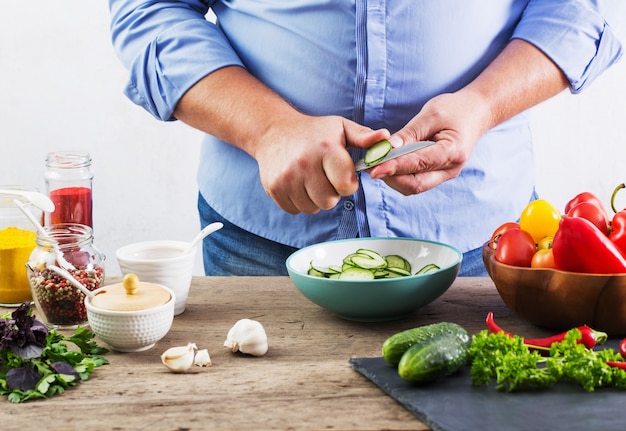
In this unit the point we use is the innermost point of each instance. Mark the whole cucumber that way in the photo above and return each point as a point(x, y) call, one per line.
point(395, 346)
point(433, 359)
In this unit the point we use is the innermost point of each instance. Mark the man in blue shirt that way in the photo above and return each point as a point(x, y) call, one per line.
point(290, 93)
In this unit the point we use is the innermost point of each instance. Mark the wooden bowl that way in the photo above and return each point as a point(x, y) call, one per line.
point(561, 300)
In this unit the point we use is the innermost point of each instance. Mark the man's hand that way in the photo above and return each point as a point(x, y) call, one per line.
point(304, 165)
point(449, 119)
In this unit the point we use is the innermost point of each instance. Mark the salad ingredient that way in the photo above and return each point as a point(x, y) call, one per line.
point(35, 362)
point(396, 345)
point(540, 219)
point(617, 364)
point(179, 359)
point(586, 197)
point(579, 246)
point(495, 237)
point(377, 152)
point(618, 231)
point(434, 358)
point(516, 247)
point(202, 358)
point(589, 337)
point(366, 264)
point(543, 258)
point(247, 336)
point(591, 212)
point(618, 223)
point(514, 366)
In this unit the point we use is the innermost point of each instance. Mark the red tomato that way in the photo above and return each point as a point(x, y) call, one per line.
point(516, 247)
point(591, 212)
point(499, 231)
point(543, 258)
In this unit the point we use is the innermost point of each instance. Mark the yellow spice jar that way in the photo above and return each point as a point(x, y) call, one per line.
point(17, 241)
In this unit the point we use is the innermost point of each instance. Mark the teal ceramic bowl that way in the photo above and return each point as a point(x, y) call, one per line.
point(378, 299)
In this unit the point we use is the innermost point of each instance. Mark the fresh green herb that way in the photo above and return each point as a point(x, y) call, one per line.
point(513, 366)
point(35, 362)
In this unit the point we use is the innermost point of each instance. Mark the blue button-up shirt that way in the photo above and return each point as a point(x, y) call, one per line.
point(376, 62)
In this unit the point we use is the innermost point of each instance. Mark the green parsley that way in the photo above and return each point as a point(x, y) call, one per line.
point(35, 362)
point(513, 366)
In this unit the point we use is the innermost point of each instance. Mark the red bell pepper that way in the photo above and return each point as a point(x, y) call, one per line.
point(618, 224)
point(593, 213)
point(587, 197)
point(579, 246)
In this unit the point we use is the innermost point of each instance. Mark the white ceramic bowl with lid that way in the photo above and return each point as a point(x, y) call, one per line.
point(131, 320)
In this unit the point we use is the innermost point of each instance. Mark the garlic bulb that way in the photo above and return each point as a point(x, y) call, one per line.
point(247, 336)
point(179, 359)
point(202, 358)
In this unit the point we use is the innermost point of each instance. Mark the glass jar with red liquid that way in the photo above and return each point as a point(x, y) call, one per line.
point(69, 181)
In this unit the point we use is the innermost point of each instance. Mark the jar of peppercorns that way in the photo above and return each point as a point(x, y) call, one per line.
point(67, 246)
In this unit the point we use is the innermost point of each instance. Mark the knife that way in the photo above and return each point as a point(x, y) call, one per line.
point(395, 153)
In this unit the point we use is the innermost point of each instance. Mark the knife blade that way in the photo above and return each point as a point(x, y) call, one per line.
point(395, 153)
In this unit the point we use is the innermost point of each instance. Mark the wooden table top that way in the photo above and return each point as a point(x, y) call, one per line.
point(304, 381)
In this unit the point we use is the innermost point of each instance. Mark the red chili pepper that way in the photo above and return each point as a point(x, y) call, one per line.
point(617, 364)
point(590, 337)
point(622, 352)
point(618, 224)
point(579, 246)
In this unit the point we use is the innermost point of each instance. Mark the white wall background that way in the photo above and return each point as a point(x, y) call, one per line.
point(61, 88)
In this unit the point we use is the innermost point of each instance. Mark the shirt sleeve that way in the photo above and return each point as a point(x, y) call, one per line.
point(168, 46)
point(575, 34)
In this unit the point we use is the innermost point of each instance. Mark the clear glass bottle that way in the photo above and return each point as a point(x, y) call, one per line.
point(68, 246)
point(17, 241)
point(69, 181)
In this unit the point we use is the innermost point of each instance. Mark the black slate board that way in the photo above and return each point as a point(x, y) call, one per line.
point(453, 404)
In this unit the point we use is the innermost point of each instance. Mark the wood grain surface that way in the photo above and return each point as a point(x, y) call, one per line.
point(304, 382)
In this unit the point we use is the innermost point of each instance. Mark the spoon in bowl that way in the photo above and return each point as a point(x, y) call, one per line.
point(208, 230)
point(40, 200)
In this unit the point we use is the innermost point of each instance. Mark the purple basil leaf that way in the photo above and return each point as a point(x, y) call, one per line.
point(23, 378)
point(64, 368)
point(29, 351)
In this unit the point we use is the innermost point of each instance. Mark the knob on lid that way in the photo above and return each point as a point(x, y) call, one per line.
point(131, 295)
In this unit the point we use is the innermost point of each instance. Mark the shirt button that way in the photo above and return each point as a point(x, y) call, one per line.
point(348, 205)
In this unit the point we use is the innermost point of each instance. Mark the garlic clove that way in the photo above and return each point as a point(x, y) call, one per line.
point(179, 359)
point(247, 336)
point(202, 358)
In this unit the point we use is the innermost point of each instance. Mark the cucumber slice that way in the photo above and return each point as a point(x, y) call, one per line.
point(368, 259)
point(364, 261)
point(377, 152)
point(395, 261)
point(365, 264)
point(356, 274)
point(431, 267)
point(399, 271)
point(315, 273)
